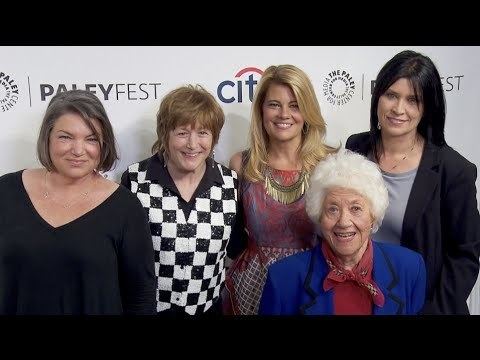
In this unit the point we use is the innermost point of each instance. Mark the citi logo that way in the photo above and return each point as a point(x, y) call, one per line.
point(229, 91)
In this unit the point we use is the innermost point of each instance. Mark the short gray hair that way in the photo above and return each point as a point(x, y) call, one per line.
point(88, 106)
point(348, 170)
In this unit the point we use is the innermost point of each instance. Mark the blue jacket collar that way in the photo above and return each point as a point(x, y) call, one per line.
point(321, 302)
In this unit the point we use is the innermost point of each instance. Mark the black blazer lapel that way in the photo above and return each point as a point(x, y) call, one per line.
point(359, 143)
point(423, 187)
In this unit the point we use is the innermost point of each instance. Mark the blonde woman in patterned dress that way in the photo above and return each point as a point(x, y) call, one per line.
point(287, 134)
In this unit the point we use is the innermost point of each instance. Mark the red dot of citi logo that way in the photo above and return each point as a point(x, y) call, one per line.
point(229, 91)
point(8, 92)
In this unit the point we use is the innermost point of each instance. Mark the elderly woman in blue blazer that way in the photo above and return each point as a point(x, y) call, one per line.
point(346, 273)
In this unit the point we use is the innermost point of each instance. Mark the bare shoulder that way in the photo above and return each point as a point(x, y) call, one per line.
point(236, 162)
point(33, 178)
point(33, 174)
point(106, 187)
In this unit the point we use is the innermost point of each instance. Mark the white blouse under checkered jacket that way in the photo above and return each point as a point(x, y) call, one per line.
point(189, 253)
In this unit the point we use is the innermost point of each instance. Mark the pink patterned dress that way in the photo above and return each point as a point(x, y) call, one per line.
point(275, 230)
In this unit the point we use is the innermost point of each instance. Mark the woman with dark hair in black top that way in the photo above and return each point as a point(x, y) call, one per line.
point(433, 206)
point(71, 241)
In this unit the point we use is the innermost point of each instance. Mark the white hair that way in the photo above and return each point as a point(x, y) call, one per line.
point(352, 171)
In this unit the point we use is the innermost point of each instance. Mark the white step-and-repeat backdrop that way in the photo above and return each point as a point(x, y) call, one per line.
point(131, 81)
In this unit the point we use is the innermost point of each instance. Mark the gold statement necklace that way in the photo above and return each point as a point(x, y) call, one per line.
point(286, 194)
point(66, 205)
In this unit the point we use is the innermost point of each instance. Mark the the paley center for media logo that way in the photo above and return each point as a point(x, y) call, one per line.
point(242, 88)
point(338, 87)
point(8, 92)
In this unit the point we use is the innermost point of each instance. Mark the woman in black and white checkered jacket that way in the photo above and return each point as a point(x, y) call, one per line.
point(190, 200)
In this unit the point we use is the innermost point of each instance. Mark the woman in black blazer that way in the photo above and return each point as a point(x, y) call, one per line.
point(433, 206)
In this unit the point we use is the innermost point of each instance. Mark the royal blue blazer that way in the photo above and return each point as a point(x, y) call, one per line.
point(442, 223)
point(295, 284)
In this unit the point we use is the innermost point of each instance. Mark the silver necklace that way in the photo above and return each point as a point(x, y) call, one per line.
point(405, 155)
point(83, 194)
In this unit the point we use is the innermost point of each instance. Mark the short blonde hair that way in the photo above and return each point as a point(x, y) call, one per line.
point(190, 104)
point(348, 170)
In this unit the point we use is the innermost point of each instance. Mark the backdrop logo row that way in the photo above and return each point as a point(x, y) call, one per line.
point(338, 87)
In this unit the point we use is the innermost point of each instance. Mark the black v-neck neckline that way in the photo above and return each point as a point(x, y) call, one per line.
point(69, 223)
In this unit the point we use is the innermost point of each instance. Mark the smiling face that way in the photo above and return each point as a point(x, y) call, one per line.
point(281, 115)
point(346, 224)
point(188, 148)
point(74, 148)
point(398, 111)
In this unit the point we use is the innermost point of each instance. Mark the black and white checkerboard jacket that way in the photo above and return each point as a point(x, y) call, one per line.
point(189, 253)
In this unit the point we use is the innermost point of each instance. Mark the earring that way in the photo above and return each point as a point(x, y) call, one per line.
point(379, 127)
point(213, 158)
point(305, 129)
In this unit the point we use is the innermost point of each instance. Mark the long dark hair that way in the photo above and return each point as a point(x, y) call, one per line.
point(425, 79)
